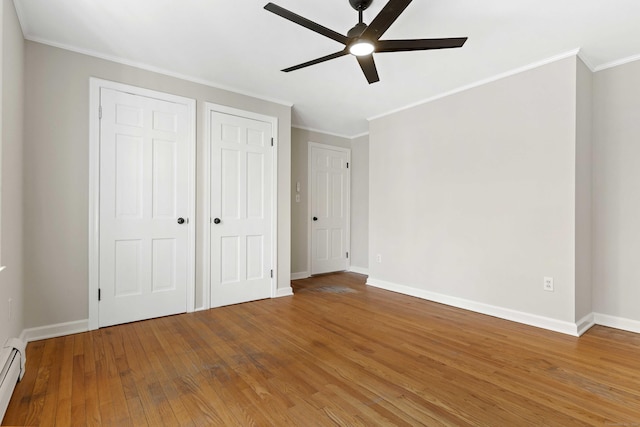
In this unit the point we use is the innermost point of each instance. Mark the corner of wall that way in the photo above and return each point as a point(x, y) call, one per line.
point(583, 190)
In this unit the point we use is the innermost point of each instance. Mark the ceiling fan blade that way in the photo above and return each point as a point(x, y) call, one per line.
point(385, 18)
point(418, 44)
point(286, 14)
point(368, 68)
point(317, 61)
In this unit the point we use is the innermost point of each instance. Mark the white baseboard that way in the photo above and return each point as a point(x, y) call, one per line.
point(284, 292)
point(359, 270)
point(617, 322)
point(574, 329)
point(300, 275)
point(478, 307)
point(305, 274)
point(584, 324)
point(52, 331)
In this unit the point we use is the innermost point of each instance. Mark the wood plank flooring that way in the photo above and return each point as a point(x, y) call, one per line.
point(336, 353)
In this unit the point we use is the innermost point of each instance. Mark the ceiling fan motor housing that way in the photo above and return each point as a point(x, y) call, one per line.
point(357, 30)
point(360, 4)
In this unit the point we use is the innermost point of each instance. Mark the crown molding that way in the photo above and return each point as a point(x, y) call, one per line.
point(483, 82)
point(617, 63)
point(151, 68)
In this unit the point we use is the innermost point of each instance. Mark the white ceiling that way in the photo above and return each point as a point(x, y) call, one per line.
point(240, 46)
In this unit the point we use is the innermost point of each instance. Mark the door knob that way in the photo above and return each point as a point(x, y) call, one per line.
point(315, 218)
point(216, 221)
point(180, 220)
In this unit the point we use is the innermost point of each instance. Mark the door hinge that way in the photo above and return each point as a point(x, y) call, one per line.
point(100, 112)
point(272, 274)
point(347, 165)
point(272, 142)
point(99, 295)
point(347, 254)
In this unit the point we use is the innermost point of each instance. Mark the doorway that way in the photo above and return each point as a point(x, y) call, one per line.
point(329, 208)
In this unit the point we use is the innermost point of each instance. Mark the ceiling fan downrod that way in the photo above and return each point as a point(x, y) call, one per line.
point(360, 6)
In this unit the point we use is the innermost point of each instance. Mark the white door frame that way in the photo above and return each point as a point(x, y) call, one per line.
point(95, 85)
point(206, 205)
point(310, 201)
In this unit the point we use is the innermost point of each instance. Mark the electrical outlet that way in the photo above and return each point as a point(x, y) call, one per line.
point(548, 284)
point(379, 258)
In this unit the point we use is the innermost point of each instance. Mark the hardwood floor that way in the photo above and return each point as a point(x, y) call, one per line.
point(336, 353)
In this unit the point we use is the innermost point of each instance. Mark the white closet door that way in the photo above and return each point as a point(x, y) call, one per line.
point(241, 209)
point(144, 167)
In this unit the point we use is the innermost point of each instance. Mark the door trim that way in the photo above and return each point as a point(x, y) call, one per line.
point(310, 200)
point(95, 85)
point(210, 107)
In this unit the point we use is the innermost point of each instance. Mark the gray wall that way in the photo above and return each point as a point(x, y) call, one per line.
point(583, 247)
point(473, 195)
point(359, 195)
point(360, 203)
point(56, 189)
point(616, 191)
point(11, 279)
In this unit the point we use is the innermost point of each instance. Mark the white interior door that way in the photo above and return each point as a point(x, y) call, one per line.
point(329, 208)
point(241, 209)
point(144, 198)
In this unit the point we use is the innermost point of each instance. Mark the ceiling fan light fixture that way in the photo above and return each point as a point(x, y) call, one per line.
point(361, 48)
point(362, 40)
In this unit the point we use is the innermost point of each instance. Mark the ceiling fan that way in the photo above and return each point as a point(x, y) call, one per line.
point(363, 40)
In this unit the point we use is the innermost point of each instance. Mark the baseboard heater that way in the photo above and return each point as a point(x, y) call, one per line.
point(12, 361)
